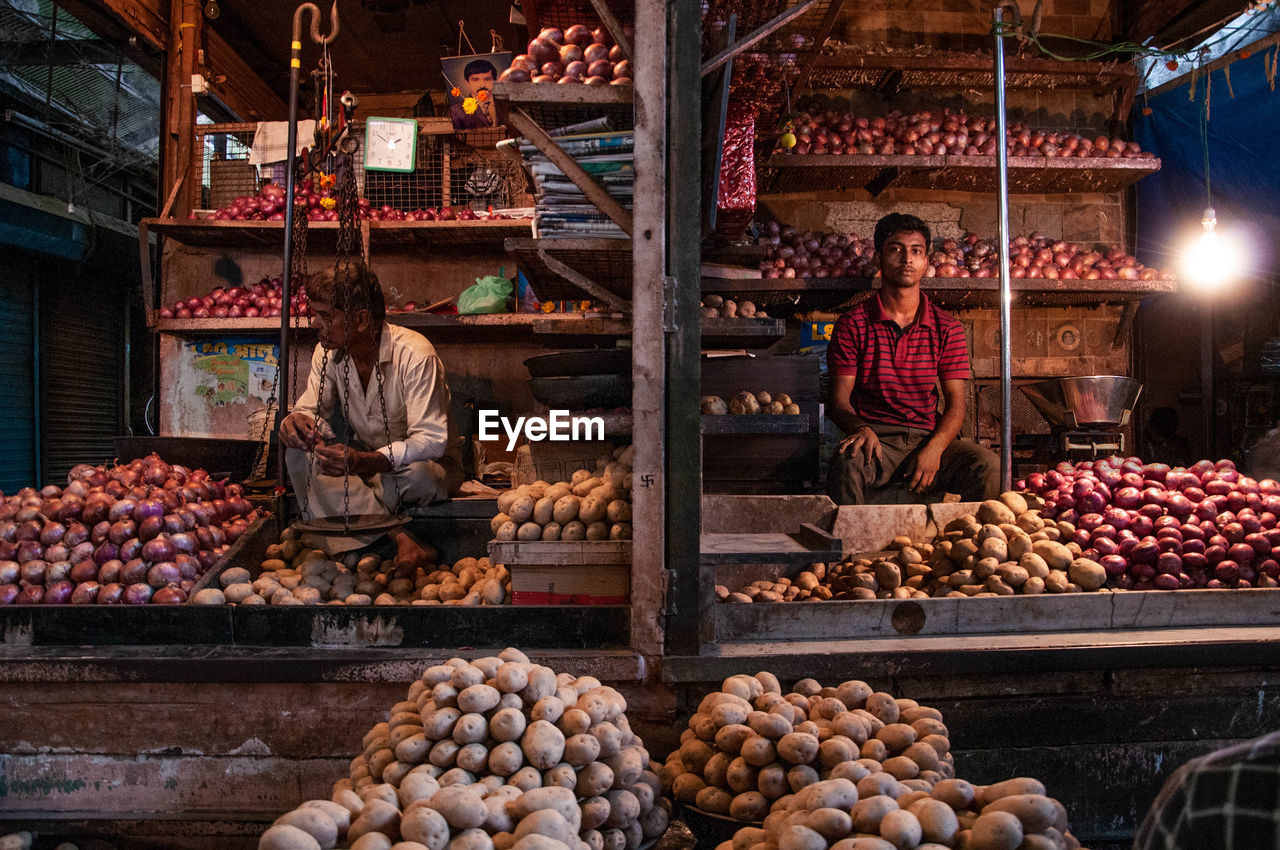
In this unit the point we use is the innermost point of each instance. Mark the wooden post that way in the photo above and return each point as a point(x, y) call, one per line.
point(180, 155)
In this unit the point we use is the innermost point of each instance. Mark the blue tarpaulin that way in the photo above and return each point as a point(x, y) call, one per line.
point(1244, 165)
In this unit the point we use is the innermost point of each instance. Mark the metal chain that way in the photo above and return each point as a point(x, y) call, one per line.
point(324, 373)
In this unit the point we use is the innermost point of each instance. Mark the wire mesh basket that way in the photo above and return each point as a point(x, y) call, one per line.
point(451, 169)
point(566, 13)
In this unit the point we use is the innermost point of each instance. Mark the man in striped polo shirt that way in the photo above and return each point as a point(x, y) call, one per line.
point(886, 359)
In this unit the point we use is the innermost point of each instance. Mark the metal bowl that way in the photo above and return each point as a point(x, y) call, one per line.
point(582, 392)
point(1085, 401)
point(597, 361)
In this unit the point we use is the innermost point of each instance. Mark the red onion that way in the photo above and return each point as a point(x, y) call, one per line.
point(150, 527)
point(133, 571)
point(100, 532)
point(9, 593)
point(185, 542)
point(147, 508)
point(29, 550)
point(85, 593)
point(169, 596)
point(163, 574)
point(138, 594)
point(110, 571)
point(121, 531)
point(32, 572)
point(158, 549)
point(130, 549)
point(58, 593)
point(32, 594)
point(111, 594)
point(105, 552)
point(173, 523)
point(10, 571)
point(86, 571)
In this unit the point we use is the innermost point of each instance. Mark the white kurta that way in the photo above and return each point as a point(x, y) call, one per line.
point(422, 450)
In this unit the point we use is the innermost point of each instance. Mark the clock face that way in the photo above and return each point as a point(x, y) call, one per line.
point(390, 144)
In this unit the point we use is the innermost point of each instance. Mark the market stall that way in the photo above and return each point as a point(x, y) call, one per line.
point(1108, 616)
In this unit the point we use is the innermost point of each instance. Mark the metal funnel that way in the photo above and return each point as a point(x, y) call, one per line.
point(1085, 401)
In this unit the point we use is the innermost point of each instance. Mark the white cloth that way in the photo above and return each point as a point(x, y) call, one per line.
point(416, 394)
point(271, 140)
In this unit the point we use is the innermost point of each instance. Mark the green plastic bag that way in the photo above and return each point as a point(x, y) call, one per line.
point(489, 295)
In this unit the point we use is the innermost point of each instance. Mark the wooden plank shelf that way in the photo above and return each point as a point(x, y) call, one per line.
point(552, 105)
point(849, 69)
point(208, 233)
point(447, 234)
point(606, 262)
point(1034, 175)
point(555, 324)
point(802, 547)
point(568, 552)
point(949, 292)
point(757, 424)
point(1105, 611)
point(742, 333)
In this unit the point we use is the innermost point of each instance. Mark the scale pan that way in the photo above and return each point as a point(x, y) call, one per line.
point(355, 524)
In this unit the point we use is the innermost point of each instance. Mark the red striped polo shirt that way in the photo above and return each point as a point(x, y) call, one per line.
point(897, 369)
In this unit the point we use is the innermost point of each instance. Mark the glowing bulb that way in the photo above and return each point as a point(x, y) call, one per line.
point(1210, 261)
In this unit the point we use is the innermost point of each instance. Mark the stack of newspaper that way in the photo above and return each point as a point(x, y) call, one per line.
point(562, 209)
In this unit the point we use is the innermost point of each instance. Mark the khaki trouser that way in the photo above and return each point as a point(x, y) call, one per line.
point(420, 483)
point(967, 468)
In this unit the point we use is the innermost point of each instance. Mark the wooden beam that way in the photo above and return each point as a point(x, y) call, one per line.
point(186, 25)
point(610, 22)
point(146, 19)
point(237, 85)
point(763, 32)
point(595, 193)
point(819, 39)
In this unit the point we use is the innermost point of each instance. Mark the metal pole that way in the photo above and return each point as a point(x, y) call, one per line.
point(1006, 293)
point(286, 279)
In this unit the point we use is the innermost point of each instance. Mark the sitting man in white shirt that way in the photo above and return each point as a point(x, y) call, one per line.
point(370, 363)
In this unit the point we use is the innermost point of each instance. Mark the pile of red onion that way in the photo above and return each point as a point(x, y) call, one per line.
point(1153, 527)
point(578, 54)
point(792, 253)
point(261, 299)
point(139, 533)
point(942, 133)
point(268, 205)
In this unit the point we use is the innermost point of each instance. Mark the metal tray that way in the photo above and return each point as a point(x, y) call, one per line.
point(598, 361)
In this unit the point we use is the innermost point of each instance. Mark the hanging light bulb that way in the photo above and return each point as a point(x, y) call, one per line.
point(1211, 261)
point(211, 10)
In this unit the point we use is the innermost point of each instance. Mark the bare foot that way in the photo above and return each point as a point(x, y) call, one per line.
point(412, 554)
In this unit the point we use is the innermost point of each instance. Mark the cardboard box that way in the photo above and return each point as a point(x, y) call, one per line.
point(570, 584)
point(552, 462)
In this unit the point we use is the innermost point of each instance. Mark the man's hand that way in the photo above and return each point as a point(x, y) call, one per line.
point(927, 462)
point(340, 459)
point(298, 431)
point(862, 442)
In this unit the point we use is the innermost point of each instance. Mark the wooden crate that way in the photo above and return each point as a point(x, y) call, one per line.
point(566, 572)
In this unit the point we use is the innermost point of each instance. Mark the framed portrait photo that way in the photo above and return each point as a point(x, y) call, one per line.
point(470, 82)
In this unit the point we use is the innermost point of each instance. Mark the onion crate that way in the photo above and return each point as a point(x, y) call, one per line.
point(564, 572)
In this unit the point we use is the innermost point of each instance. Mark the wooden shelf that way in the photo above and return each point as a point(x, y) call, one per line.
point(782, 173)
point(888, 72)
point(805, 546)
point(239, 234)
point(537, 323)
point(607, 262)
point(742, 333)
point(758, 423)
point(447, 234)
point(552, 105)
point(948, 292)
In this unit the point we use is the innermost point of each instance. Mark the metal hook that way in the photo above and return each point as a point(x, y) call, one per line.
point(315, 23)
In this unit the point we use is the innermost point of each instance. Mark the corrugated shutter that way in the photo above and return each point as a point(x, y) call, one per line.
point(17, 362)
point(82, 332)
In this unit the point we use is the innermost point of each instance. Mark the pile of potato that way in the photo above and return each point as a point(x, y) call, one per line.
point(490, 754)
point(867, 810)
point(716, 307)
point(590, 506)
point(750, 746)
point(1007, 548)
point(292, 574)
point(745, 403)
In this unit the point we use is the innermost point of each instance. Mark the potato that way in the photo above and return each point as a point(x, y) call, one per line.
point(797, 748)
point(618, 510)
point(996, 831)
point(378, 816)
point(506, 531)
point(828, 794)
point(470, 839)
point(1010, 787)
point(529, 532)
point(901, 829)
point(863, 842)
point(573, 530)
point(470, 729)
point(461, 806)
point(995, 513)
point(507, 724)
point(1090, 575)
point(897, 736)
point(1035, 811)
point(426, 826)
point(378, 841)
point(867, 813)
point(749, 806)
point(597, 778)
point(543, 511)
point(1055, 555)
point(547, 823)
point(714, 800)
point(580, 750)
point(713, 405)
point(287, 837)
point(831, 824)
point(551, 531)
point(883, 707)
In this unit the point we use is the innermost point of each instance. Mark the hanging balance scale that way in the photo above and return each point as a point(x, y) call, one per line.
point(335, 145)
